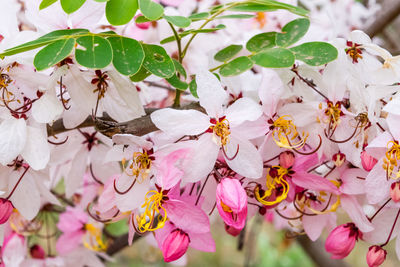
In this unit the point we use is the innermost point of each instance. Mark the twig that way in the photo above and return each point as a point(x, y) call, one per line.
point(390, 10)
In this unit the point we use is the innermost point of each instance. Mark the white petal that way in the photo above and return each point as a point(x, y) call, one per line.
point(129, 139)
point(270, 91)
point(134, 197)
point(73, 116)
point(247, 162)
point(47, 109)
point(12, 139)
point(75, 176)
point(39, 179)
point(26, 197)
point(244, 109)
point(376, 185)
point(359, 37)
point(36, 151)
point(180, 122)
point(211, 94)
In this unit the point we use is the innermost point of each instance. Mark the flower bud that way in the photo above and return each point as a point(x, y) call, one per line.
point(367, 161)
point(6, 208)
point(37, 252)
point(286, 159)
point(395, 191)
point(175, 245)
point(341, 240)
point(339, 158)
point(375, 256)
point(232, 230)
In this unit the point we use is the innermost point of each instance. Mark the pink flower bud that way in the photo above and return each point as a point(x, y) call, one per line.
point(232, 230)
point(339, 158)
point(232, 202)
point(367, 161)
point(375, 256)
point(175, 245)
point(6, 208)
point(143, 25)
point(395, 191)
point(286, 159)
point(341, 240)
point(37, 252)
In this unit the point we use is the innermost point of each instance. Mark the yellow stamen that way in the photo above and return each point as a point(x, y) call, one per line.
point(261, 19)
point(332, 113)
point(226, 208)
point(140, 166)
point(272, 183)
point(392, 155)
point(93, 238)
point(221, 132)
point(285, 132)
point(153, 206)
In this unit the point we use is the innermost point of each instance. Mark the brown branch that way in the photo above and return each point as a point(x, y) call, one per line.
point(389, 11)
point(318, 254)
point(109, 127)
point(120, 243)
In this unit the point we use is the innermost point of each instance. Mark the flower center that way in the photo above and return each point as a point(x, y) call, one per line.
point(354, 51)
point(148, 221)
point(140, 165)
point(392, 155)
point(101, 83)
point(332, 113)
point(93, 238)
point(220, 130)
point(285, 132)
point(275, 182)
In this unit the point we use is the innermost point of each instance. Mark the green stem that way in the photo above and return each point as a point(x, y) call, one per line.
point(177, 100)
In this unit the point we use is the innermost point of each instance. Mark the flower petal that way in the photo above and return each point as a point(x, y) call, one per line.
point(244, 109)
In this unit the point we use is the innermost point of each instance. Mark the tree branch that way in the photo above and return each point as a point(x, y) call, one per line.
point(389, 11)
point(109, 127)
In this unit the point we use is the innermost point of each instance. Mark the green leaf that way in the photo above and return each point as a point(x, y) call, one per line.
point(236, 16)
point(120, 12)
point(251, 7)
point(141, 19)
point(177, 83)
point(142, 74)
point(46, 3)
point(128, 54)
point(179, 68)
point(236, 66)
point(44, 40)
point(70, 6)
point(179, 21)
point(193, 88)
point(150, 9)
point(53, 53)
point(274, 58)
point(279, 5)
point(157, 61)
point(97, 52)
point(315, 53)
point(199, 16)
point(292, 32)
point(227, 53)
point(101, 1)
point(261, 41)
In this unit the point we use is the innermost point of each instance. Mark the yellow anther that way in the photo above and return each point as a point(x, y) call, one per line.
point(148, 221)
point(261, 19)
point(93, 238)
point(285, 132)
point(272, 183)
point(140, 166)
point(392, 156)
point(221, 132)
point(332, 113)
point(226, 208)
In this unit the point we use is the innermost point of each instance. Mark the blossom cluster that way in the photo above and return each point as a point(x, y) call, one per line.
point(295, 145)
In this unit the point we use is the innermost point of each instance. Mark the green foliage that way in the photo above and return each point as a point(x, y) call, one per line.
point(53, 53)
point(70, 6)
point(139, 76)
point(157, 61)
point(193, 88)
point(46, 3)
point(120, 12)
point(188, 32)
point(227, 53)
point(97, 52)
point(179, 21)
point(236, 66)
point(199, 16)
point(315, 53)
point(261, 41)
point(292, 32)
point(150, 9)
point(236, 16)
point(274, 58)
point(128, 54)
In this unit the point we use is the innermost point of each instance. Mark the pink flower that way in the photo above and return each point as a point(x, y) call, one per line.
point(376, 256)
point(6, 208)
point(286, 159)
point(395, 191)
point(367, 161)
point(175, 245)
point(341, 240)
point(37, 252)
point(232, 202)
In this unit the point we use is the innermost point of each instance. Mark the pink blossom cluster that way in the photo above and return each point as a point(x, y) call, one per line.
point(294, 145)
